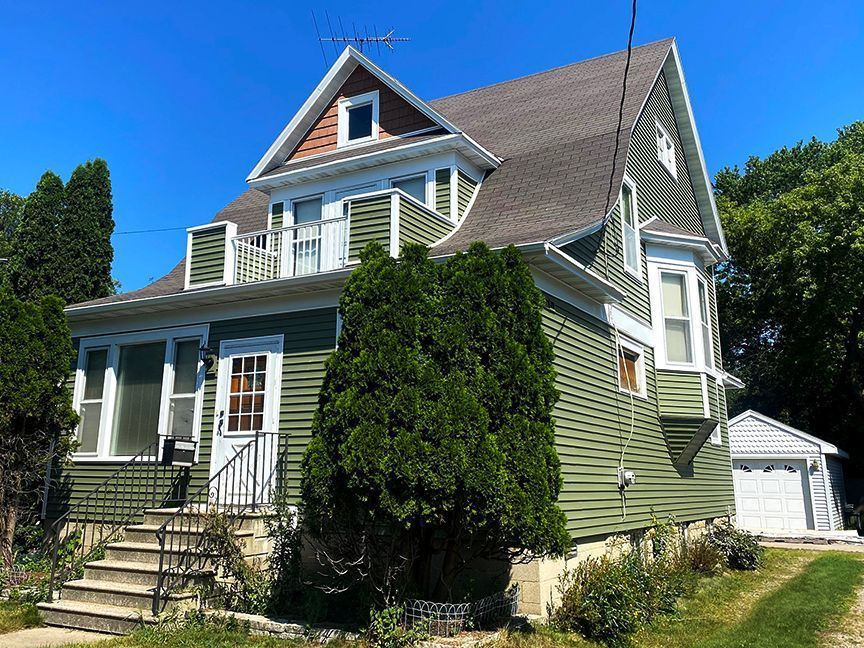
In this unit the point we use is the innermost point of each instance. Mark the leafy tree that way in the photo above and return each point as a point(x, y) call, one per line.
point(85, 231)
point(792, 297)
point(434, 434)
point(10, 214)
point(35, 404)
point(36, 245)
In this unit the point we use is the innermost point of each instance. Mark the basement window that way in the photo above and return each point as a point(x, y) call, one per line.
point(358, 119)
point(665, 149)
point(631, 368)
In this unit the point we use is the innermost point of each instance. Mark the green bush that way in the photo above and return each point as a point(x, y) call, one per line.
point(607, 599)
point(740, 548)
point(386, 629)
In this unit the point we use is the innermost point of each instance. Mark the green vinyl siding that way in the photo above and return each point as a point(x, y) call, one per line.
point(277, 215)
point(658, 193)
point(417, 225)
point(309, 337)
point(442, 191)
point(592, 424)
point(680, 394)
point(207, 256)
point(464, 191)
point(603, 253)
point(369, 220)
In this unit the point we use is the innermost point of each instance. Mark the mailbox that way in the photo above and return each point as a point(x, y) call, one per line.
point(178, 452)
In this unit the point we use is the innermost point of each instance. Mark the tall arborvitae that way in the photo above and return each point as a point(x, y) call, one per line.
point(11, 206)
point(85, 231)
point(36, 244)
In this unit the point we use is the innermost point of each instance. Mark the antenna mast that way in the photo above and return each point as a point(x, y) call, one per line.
point(361, 39)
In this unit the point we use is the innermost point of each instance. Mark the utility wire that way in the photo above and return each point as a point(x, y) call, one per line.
point(148, 231)
point(621, 105)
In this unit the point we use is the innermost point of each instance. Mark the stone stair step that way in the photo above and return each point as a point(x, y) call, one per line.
point(146, 533)
point(135, 597)
point(83, 615)
point(133, 573)
point(246, 521)
point(142, 552)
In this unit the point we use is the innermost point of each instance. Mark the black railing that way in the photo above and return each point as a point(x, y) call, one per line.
point(103, 513)
point(244, 484)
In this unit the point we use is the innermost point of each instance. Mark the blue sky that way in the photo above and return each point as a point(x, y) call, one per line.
point(182, 99)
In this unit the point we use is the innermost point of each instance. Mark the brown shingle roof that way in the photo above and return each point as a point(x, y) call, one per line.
point(555, 131)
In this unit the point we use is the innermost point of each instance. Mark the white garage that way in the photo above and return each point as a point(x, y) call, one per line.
point(784, 478)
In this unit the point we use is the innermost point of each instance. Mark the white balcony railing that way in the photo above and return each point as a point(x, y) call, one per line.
point(291, 251)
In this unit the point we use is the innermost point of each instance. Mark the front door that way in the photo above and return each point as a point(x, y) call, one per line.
point(247, 412)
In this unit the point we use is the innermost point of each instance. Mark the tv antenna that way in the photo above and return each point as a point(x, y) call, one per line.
point(360, 39)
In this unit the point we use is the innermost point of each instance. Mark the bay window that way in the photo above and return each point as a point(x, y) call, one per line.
point(130, 389)
point(705, 323)
point(676, 317)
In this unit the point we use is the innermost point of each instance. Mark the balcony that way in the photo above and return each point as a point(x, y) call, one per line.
point(217, 255)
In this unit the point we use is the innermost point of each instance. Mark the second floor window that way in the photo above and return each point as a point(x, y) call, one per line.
point(676, 318)
point(629, 226)
point(665, 149)
point(705, 321)
point(414, 186)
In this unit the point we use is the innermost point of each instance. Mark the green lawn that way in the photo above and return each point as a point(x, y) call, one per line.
point(794, 598)
point(16, 616)
point(792, 601)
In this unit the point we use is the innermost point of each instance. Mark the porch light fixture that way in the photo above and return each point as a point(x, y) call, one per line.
point(206, 356)
point(815, 465)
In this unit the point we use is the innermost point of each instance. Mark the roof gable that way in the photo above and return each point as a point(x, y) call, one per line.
point(755, 433)
point(351, 71)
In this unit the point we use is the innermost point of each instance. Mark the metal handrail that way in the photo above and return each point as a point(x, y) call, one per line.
point(223, 492)
point(120, 493)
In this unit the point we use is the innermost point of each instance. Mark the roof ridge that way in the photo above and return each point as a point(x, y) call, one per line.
point(669, 39)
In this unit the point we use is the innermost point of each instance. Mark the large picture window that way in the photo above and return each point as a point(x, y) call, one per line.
point(131, 389)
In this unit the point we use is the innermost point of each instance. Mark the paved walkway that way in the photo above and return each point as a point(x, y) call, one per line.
point(812, 546)
point(39, 637)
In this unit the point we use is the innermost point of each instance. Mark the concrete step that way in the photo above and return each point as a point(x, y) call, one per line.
point(146, 533)
point(134, 597)
point(248, 521)
point(133, 573)
point(142, 552)
point(91, 616)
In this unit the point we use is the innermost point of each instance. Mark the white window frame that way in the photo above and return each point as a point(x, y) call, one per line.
point(656, 266)
point(344, 106)
point(707, 340)
point(665, 145)
point(639, 350)
point(637, 271)
point(688, 288)
point(109, 390)
point(428, 179)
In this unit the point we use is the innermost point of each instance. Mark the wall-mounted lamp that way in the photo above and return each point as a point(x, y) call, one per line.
point(205, 353)
point(815, 465)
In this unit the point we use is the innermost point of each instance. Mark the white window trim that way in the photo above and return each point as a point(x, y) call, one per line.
point(637, 271)
point(638, 349)
point(109, 390)
point(342, 111)
point(429, 179)
point(716, 437)
point(662, 157)
point(707, 360)
point(688, 269)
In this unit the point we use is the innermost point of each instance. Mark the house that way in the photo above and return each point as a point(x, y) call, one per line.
point(621, 234)
point(784, 478)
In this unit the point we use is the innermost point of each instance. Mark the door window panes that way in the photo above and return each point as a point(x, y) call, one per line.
point(246, 393)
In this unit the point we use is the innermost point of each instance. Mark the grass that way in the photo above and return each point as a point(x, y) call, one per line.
point(17, 616)
point(791, 601)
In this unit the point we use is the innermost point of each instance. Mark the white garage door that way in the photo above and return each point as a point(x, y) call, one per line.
point(771, 495)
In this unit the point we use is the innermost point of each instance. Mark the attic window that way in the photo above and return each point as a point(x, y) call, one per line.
point(665, 149)
point(358, 119)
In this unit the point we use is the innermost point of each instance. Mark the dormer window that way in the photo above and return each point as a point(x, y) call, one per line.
point(665, 149)
point(358, 119)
